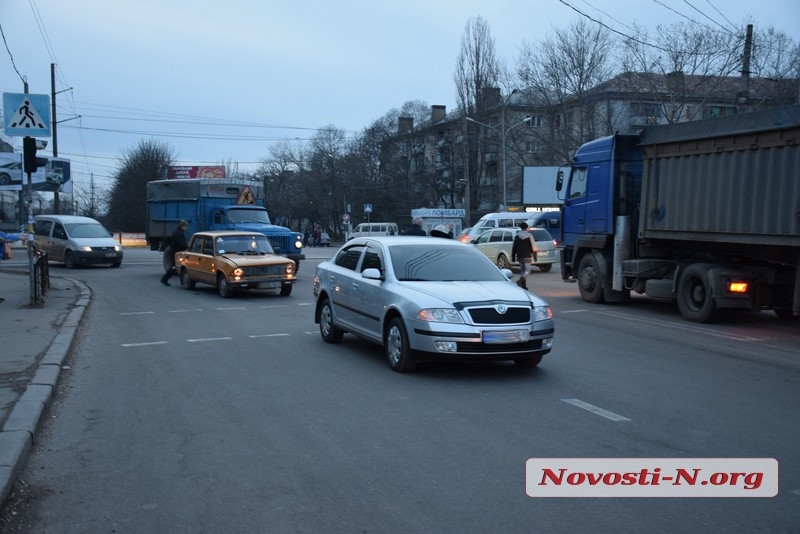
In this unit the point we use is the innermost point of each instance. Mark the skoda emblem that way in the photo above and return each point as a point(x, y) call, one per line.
point(502, 309)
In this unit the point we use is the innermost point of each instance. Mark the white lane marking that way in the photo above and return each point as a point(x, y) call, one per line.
point(184, 311)
point(209, 339)
point(689, 328)
point(273, 306)
point(237, 308)
point(595, 410)
point(305, 303)
point(796, 492)
point(144, 344)
point(136, 313)
point(269, 335)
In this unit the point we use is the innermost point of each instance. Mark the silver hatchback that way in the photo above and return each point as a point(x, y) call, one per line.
point(427, 298)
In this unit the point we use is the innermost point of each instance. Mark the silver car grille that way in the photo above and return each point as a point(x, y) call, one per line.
point(500, 314)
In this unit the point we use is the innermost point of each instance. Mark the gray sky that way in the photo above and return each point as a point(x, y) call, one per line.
point(223, 80)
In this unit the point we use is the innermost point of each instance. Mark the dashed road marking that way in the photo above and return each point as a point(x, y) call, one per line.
point(595, 410)
point(200, 340)
point(144, 344)
point(269, 335)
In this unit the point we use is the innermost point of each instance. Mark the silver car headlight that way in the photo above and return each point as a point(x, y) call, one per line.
point(440, 315)
point(542, 313)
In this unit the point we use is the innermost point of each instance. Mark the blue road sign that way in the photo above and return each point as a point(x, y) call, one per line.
point(26, 115)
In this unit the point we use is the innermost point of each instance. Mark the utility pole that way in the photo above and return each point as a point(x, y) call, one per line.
point(56, 203)
point(744, 80)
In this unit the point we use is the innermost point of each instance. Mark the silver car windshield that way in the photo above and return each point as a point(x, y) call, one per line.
point(87, 230)
point(428, 263)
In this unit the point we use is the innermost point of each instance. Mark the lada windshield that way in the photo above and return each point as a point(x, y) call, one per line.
point(241, 215)
point(243, 244)
point(429, 263)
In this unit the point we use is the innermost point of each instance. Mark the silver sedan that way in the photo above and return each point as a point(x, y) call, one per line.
point(429, 298)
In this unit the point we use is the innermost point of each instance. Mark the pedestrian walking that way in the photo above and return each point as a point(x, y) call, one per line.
point(177, 243)
point(415, 228)
point(524, 251)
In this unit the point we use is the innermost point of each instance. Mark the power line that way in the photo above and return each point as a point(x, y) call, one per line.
point(10, 56)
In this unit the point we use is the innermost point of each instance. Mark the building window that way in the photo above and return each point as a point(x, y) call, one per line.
point(721, 111)
point(536, 122)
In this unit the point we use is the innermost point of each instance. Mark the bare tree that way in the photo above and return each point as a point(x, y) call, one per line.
point(478, 73)
point(558, 75)
point(127, 200)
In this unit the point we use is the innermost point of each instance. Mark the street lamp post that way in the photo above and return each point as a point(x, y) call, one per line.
point(503, 131)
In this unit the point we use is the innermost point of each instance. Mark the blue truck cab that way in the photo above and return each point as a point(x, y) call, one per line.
point(215, 204)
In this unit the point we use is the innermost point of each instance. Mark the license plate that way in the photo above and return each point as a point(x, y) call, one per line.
point(268, 285)
point(111, 254)
point(507, 336)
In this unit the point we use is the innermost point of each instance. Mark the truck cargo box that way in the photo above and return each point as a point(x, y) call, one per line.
point(729, 180)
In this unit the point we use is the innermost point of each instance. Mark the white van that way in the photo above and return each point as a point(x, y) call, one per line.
point(75, 240)
point(500, 219)
point(376, 228)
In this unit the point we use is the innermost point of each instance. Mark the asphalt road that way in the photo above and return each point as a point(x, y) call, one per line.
point(185, 412)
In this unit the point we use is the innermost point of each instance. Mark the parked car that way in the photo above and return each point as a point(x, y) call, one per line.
point(376, 228)
point(548, 220)
point(423, 298)
point(500, 219)
point(75, 241)
point(231, 260)
point(324, 240)
point(496, 245)
point(11, 173)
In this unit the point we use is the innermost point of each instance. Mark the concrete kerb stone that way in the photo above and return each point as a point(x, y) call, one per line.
point(20, 427)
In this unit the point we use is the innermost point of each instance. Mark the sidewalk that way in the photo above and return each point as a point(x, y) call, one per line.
point(34, 341)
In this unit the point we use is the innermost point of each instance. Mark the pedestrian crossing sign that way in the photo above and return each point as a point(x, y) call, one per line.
point(26, 115)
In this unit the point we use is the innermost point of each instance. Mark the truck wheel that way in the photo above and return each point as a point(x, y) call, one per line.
point(590, 279)
point(695, 301)
point(169, 259)
point(223, 288)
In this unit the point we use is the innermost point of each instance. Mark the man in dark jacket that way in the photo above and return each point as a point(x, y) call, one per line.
point(523, 249)
point(177, 243)
point(415, 228)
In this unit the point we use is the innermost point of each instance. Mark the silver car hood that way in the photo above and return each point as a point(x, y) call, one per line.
point(471, 291)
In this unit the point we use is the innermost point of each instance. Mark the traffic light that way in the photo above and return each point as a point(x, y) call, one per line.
point(29, 160)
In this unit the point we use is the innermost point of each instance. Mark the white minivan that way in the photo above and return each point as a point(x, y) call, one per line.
point(376, 228)
point(500, 219)
point(75, 240)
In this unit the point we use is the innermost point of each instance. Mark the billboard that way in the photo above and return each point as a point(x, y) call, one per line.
point(175, 172)
point(539, 186)
point(53, 177)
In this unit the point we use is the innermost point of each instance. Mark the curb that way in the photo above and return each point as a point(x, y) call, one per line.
point(18, 434)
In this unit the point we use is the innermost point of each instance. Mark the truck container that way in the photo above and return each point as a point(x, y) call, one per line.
point(214, 204)
point(706, 213)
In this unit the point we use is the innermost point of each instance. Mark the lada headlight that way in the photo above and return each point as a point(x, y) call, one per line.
point(290, 268)
point(440, 315)
point(542, 313)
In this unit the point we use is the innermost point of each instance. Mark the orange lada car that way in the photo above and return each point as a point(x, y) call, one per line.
point(232, 261)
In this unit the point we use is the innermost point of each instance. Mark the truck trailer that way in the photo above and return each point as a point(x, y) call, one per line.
point(214, 204)
point(706, 213)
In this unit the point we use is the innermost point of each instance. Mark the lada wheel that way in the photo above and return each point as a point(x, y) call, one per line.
point(186, 281)
point(286, 290)
point(545, 267)
point(398, 352)
point(223, 288)
point(329, 332)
